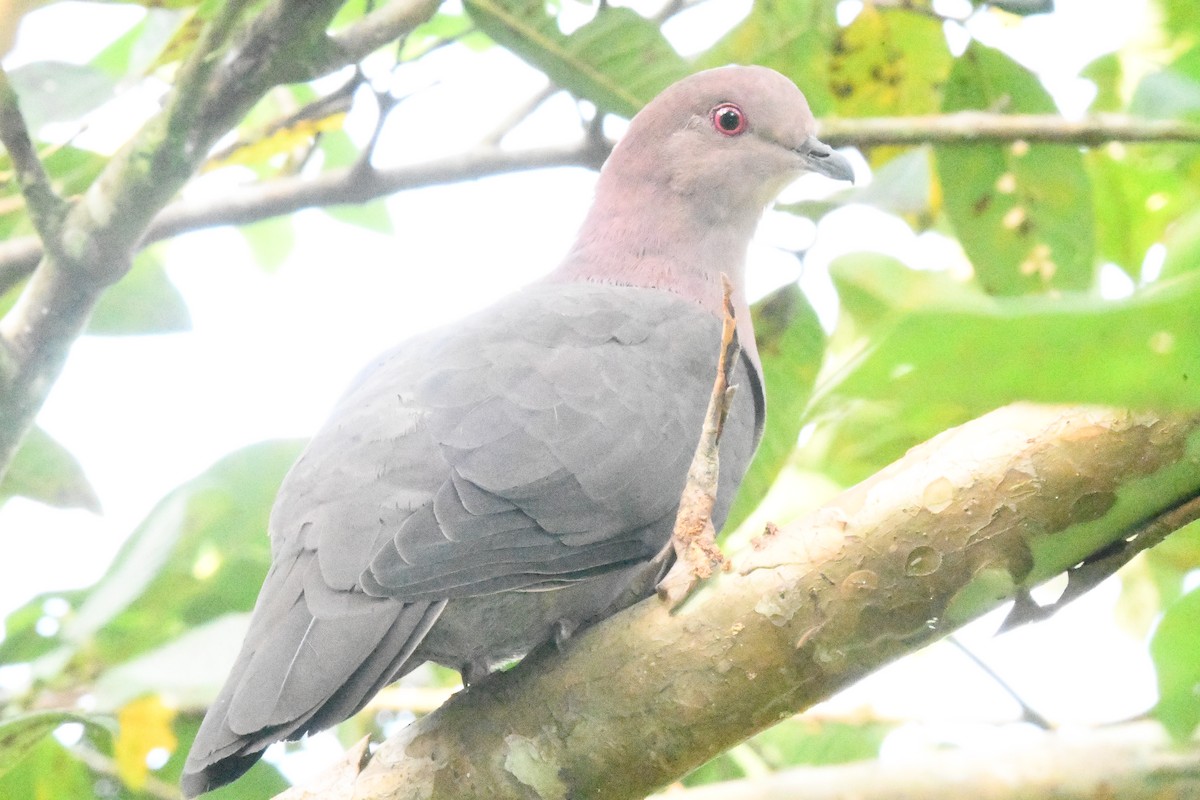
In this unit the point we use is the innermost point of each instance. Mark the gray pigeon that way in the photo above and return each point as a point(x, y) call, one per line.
point(494, 485)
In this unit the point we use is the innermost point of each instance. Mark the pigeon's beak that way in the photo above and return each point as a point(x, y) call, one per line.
point(822, 159)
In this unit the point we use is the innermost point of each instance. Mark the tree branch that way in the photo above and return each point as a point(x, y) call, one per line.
point(288, 195)
point(224, 76)
point(975, 127)
point(950, 531)
point(385, 24)
point(18, 257)
point(46, 208)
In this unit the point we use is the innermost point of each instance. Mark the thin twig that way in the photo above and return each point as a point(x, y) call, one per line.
point(261, 201)
point(46, 208)
point(1028, 713)
point(381, 26)
point(975, 127)
point(19, 256)
point(924, 9)
point(675, 7)
point(336, 102)
point(518, 115)
point(694, 538)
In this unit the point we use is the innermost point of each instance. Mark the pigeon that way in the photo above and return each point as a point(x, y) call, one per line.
point(492, 486)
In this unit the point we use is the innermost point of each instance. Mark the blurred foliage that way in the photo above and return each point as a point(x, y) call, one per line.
point(1022, 212)
point(913, 352)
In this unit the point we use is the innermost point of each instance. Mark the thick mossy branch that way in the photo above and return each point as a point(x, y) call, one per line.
point(953, 529)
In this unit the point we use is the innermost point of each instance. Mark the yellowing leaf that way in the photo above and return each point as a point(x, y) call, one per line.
point(181, 42)
point(145, 724)
point(888, 64)
point(280, 140)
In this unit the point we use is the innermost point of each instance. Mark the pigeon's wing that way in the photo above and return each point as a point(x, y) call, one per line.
point(566, 425)
point(542, 441)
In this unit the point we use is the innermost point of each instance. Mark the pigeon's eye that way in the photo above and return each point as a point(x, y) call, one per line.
point(728, 119)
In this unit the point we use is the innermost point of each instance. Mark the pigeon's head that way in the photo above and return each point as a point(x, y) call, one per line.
point(727, 139)
point(679, 198)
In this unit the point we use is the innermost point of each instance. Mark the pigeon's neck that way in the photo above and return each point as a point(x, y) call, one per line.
point(641, 235)
point(640, 232)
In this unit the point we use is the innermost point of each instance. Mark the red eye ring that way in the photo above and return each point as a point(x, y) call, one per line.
point(728, 119)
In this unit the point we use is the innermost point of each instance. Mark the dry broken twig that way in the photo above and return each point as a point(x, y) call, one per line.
point(694, 538)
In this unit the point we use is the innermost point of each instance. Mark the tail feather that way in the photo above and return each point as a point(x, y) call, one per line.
point(299, 672)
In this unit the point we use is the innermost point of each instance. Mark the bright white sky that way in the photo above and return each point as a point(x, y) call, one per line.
point(270, 353)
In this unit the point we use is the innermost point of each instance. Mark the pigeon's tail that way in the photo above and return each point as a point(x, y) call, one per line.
point(303, 667)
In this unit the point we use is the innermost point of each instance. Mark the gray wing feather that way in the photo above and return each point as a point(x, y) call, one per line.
point(618, 380)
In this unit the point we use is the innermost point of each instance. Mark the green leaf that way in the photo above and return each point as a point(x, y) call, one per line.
point(350, 12)
point(619, 60)
point(791, 36)
point(49, 771)
point(1166, 94)
point(22, 643)
point(1139, 192)
point(443, 27)
point(56, 91)
point(272, 241)
point(1182, 241)
point(201, 553)
point(1106, 72)
point(139, 48)
point(144, 301)
point(189, 669)
point(1169, 563)
point(373, 216)
point(45, 471)
point(982, 352)
point(902, 186)
point(791, 345)
point(339, 150)
point(1180, 16)
point(20, 736)
point(71, 171)
point(1022, 212)
point(1175, 649)
point(854, 439)
point(795, 742)
point(218, 551)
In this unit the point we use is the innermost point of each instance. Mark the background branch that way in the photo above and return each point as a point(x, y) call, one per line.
point(974, 127)
point(18, 257)
point(383, 25)
point(1128, 761)
point(349, 185)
